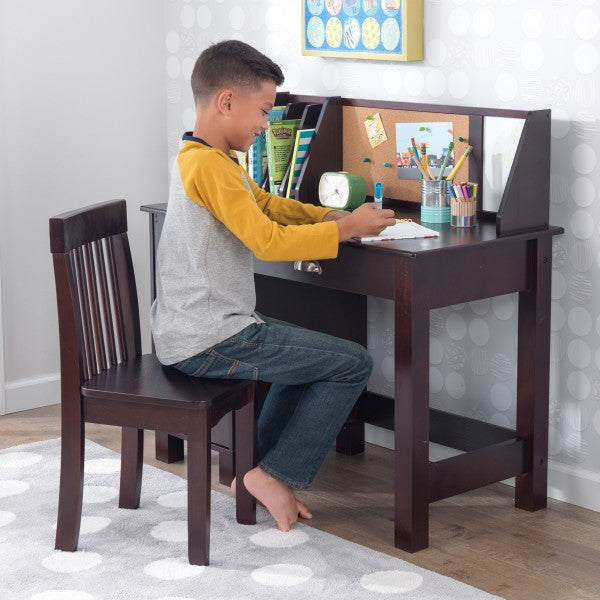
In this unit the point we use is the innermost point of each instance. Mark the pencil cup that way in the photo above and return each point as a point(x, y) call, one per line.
point(434, 201)
point(434, 193)
point(462, 212)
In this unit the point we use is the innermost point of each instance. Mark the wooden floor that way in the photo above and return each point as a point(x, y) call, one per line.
point(478, 538)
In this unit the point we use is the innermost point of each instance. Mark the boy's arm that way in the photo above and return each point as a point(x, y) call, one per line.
point(286, 210)
point(224, 193)
point(335, 215)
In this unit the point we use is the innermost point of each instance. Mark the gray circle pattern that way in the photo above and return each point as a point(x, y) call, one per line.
point(511, 54)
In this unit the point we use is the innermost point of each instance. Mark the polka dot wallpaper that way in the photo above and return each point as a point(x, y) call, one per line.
point(501, 53)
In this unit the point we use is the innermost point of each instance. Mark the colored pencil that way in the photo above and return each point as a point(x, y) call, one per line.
point(418, 164)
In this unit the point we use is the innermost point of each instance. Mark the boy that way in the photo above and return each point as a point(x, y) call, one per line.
point(204, 321)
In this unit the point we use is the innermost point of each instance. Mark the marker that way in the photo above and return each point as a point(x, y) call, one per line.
point(446, 158)
point(450, 189)
point(377, 197)
point(458, 165)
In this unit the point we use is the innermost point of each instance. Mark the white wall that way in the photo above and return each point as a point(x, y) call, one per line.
point(82, 99)
point(523, 54)
point(2, 396)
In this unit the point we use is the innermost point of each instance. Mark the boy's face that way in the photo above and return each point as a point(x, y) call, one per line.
point(248, 114)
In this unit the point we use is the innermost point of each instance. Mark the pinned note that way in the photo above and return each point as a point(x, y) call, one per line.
point(375, 130)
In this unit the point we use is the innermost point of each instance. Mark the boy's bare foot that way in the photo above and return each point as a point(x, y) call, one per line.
point(303, 510)
point(277, 498)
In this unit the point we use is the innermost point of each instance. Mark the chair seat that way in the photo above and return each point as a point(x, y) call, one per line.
point(144, 380)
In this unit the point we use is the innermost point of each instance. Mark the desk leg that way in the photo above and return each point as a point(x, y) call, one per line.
point(168, 448)
point(533, 377)
point(411, 416)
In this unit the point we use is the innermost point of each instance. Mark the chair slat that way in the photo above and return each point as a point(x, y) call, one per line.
point(111, 357)
point(68, 300)
point(82, 297)
point(96, 325)
point(115, 302)
point(128, 295)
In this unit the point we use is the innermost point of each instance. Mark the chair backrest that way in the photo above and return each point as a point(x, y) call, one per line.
point(98, 314)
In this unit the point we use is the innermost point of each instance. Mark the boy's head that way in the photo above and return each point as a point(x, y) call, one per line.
point(231, 64)
point(234, 88)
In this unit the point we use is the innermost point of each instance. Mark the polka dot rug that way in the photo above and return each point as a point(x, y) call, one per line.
point(141, 554)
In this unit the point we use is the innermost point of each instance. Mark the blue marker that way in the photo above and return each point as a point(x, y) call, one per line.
point(378, 198)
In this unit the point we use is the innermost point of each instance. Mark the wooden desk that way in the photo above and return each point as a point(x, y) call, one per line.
point(419, 275)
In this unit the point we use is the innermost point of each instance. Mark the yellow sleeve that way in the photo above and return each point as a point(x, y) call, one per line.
point(224, 190)
point(285, 210)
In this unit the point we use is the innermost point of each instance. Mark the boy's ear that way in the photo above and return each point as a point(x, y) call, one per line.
point(224, 101)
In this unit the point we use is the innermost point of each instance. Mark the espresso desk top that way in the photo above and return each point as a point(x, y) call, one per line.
point(450, 237)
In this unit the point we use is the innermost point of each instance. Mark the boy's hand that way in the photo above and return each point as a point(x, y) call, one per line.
point(366, 220)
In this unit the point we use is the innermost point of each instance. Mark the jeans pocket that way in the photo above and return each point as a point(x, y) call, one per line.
point(197, 365)
point(231, 368)
point(213, 364)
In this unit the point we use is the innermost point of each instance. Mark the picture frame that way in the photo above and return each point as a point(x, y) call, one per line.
point(363, 29)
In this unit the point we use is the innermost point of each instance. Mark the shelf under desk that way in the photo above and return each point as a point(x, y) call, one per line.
point(420, 275)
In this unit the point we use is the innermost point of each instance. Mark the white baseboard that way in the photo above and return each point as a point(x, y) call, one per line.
point(574, 485)
point(566, 483)
point(32, 392)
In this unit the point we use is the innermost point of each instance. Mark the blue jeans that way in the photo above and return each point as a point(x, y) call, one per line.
point(316, 379)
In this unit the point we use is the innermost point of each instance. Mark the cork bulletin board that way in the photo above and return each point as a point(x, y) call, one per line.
point(356, 147)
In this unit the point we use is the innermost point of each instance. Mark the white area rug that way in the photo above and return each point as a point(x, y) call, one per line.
point(141, 554)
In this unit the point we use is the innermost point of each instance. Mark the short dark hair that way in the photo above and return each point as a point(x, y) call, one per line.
point(231, 63)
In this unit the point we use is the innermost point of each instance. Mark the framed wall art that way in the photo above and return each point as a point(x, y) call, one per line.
point(371, 29)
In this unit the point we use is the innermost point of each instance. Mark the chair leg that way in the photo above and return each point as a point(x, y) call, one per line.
point(70, 495)
point(245, 457)
point(132, 454)
point(226, 466)
point(198, 487)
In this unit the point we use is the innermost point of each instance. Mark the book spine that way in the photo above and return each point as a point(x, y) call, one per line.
point(301, 150)
point(292, 168)
point(270, 165)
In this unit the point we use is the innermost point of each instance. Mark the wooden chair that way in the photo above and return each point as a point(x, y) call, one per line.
point(106, 379)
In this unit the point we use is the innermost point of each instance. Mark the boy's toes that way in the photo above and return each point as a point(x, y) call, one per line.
point(303, 510)
point(233, 487)
point(283, 525)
